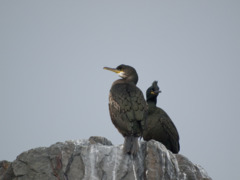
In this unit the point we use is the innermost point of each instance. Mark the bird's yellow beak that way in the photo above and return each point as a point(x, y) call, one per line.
point(113, 70)
point(156, 92)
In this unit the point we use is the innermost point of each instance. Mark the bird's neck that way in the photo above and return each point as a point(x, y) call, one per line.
point(133, 79)
point(152, 102)
point(129, 79)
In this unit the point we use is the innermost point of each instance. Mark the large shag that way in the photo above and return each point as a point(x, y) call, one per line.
point(159, 126)
point(127, 107)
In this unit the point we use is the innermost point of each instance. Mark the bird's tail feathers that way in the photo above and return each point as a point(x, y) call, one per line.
point(131, 145)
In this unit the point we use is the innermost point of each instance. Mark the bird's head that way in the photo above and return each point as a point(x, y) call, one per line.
point(153, 91)
point(125, 72)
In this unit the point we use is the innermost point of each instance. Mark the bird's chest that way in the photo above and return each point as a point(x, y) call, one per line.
point(155, 118)
point(123, 95)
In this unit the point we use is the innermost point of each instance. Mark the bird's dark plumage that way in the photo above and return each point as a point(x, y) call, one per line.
point(127, 107)
point(159, 125)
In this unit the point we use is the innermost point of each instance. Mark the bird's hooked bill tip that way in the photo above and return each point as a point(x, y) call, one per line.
point(106, 68)
point(158, 91)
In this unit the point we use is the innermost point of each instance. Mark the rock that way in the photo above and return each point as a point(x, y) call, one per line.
point(6, 170)
point(4, 165)
point(100, 140)
point(97, 158)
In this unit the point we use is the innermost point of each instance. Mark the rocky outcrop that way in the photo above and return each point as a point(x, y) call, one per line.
point(97, 158)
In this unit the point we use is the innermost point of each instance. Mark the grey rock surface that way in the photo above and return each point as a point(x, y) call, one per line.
point(98, 159)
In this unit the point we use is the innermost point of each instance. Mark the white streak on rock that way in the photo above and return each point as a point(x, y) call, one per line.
point(92, 163)
point(134, 170)
point(115, 163)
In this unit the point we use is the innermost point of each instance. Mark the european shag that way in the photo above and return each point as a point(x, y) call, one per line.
point(127, 107)
point(159, 126)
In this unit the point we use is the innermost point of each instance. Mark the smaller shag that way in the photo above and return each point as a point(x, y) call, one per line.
point(159, 126)
point(127, 107)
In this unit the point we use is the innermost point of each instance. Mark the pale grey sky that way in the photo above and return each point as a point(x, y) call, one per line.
point(54, 88)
